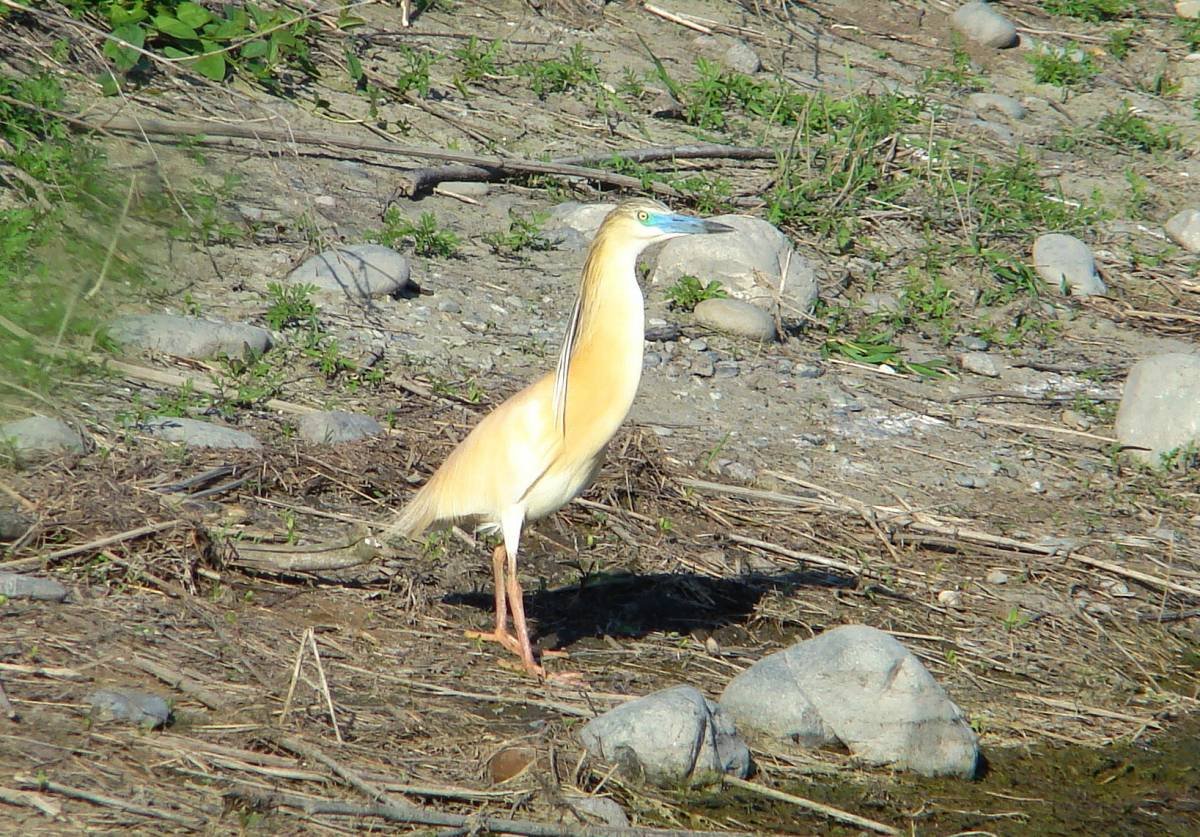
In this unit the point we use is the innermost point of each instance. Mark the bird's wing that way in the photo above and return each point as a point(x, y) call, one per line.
point(494, 467)
point(564, 367)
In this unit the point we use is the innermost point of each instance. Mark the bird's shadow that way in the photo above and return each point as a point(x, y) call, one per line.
point(631, 606)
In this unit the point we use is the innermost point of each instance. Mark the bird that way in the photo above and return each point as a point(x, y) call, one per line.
point(544, 445)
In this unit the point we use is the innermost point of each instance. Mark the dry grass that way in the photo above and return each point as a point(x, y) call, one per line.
point(1059, 653)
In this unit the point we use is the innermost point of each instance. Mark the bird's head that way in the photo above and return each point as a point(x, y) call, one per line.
point(647, 222)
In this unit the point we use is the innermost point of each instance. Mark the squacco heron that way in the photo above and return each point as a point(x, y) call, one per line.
point(543, 446)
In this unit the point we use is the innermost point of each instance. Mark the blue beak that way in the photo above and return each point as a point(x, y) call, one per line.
point(686, 224)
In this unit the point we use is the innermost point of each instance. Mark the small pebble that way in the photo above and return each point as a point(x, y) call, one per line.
point(742, 58)
point(737, 317)
point(807, 370)
point(994, 101)
point(974, 344)
point(982, 24)
point(360, 271)
point(39, 437)
point(18, 586)
point(698, 344)
point(198, 434)
point(726, 369)
point(449, 306)
point(703, 366)
point(1037, 487)
point(1189, 9)
point(1184, 229)
point(146, 710)
point(1067, 264)
point(337, 427)
point(950, 598)
point(979, 363)
point(997, 577)
point(968, 481)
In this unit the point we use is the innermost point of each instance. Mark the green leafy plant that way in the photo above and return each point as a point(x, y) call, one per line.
point(1060, 68)
point(246, 38)
point(291, 306)
point(414, 70)
point(688, 292)
point(524, 233)
point(1092, 11)
point(426, 237)
point(875, 350)
point(1124, 128)
point(578, 69)
point(478, 61)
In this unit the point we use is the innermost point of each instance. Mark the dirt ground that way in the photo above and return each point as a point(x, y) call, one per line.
point(1047, 583)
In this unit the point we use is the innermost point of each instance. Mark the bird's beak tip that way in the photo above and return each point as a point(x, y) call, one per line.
point(717, 227)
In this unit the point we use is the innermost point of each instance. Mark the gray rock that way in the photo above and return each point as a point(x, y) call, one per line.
point(1188, 8)
point(603, 808)
point(742, 58)
point(735, 316)
point(875, 302)
point(980, 363)
point(198, 434)
point(189, 336)
point(39, 437)
point(1067, 263)
point(858, 686)
point(1006, 105)
point(703, 366)
point(1160, 407)
point(466, 188)
point(146, 710)
point(974, 344)
point(968, 481)
point(336, 427)
point(748, 263)
point(1184, 229)
point(726, 369)
point(807, 370)
point(583, 218)
point(997, 577)
point(17, 586)
point(360, 271)
point(982, 24)
point(12, 525)
point(672, 737)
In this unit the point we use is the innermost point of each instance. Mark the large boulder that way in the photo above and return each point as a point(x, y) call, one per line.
point(860, 687)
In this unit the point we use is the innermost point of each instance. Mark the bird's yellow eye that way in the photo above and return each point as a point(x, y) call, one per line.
point(643, 215)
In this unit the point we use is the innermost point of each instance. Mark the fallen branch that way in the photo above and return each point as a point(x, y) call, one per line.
point(800, 801)
point(417, 815)
point(316, 558)
point(421, 180)
point(34, 800)
point(178, 680)
point(90, 546)
point(108, 801)
point(464, 166)
point(896, 520)
point(46, 671)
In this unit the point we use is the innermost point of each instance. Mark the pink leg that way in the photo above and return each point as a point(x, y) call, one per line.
point(500, 634)
point(516, 601)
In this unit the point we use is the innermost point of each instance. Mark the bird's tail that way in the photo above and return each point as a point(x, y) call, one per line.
point(414, 518)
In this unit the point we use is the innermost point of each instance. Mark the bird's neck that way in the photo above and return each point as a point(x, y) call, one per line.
point(612, 311)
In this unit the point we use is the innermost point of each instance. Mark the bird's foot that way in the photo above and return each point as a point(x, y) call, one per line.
point(502, 637)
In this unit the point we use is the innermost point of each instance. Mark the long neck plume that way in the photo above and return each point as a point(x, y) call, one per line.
point(607, 324)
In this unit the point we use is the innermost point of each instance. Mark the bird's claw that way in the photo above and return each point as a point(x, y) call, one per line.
point(503, 638)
